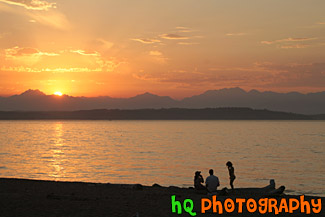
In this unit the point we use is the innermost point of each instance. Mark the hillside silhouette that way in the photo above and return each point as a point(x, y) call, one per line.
point(158, 114)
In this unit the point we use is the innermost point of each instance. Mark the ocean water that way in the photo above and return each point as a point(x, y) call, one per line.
point(167, 152)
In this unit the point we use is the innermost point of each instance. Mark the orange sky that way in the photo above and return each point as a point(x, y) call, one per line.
point(177, 48)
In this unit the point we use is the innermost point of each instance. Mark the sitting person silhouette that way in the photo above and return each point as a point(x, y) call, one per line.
point(232, 176)
point(212, 182)
point(198, 180)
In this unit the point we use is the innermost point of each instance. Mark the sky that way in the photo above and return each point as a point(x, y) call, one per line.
point(179, 48)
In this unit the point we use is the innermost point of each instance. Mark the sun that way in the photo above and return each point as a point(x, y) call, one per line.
point(58, 93)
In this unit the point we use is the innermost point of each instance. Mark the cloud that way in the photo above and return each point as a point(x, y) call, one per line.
point(184, 29)
point(155, 53)
point(31, 4)
point(200, 77)
point(288, 40)
point(297, 75)
point(236, 34)
point(42, 15)
point(262, 75)
point(170, 36)
point(289, 43)
point(26, 59)
point(146, 40)
point(173, 37)
point(158, 56)
point(187, 43)
point(85, 53)
point(294, 46)
point(53, 19)
point(25, 51)
point(101, 43)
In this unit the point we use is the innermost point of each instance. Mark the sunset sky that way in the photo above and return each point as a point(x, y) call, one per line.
point(179, 48)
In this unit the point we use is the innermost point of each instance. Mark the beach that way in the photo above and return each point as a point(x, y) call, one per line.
point(23, 197)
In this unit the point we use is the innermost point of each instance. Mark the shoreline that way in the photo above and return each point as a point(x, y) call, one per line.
point(28, 197)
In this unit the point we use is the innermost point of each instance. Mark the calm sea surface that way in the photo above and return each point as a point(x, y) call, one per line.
point(167, 152)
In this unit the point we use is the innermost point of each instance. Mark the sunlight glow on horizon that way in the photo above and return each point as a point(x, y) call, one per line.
point(58, 93)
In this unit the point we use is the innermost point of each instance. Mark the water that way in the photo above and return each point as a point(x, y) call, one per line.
point(167, 152)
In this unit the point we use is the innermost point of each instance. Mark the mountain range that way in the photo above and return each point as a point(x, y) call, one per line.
point(35, 100)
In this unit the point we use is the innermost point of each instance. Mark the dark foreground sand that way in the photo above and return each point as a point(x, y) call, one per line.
point(19, 197)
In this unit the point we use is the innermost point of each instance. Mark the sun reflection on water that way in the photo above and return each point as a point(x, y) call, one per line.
point(58, 156)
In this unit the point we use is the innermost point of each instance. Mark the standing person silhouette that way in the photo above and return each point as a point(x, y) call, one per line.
point(232, 176)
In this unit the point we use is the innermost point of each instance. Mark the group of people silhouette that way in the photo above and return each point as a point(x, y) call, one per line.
point(212, 182)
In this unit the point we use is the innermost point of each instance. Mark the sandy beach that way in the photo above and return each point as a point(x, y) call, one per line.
point(22, 197)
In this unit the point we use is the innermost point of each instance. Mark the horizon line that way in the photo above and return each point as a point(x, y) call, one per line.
point(144, 93)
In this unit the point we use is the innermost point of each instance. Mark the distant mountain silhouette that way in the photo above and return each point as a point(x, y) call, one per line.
point(35, 100)
point(311, 103)
point(32, 93)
